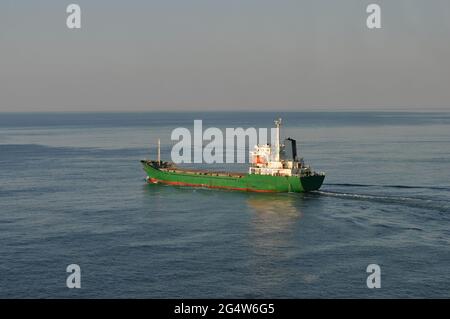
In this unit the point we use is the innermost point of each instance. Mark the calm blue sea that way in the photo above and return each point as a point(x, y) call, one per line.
point(72, 191)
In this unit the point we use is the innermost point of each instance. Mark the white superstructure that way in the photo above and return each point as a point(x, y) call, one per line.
point(267, 160)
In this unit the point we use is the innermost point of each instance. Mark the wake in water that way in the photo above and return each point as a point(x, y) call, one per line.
point(393, 186)
point(440, 205)
point(370, 197)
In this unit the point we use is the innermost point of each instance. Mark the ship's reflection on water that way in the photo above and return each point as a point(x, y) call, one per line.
point(274, 213)
point(274, 236)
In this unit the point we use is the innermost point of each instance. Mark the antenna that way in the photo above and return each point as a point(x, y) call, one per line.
point(277, 139)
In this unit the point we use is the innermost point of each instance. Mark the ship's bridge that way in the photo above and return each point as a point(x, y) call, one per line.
point(263, 163)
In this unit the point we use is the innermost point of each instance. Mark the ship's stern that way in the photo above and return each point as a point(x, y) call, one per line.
point(312, 182)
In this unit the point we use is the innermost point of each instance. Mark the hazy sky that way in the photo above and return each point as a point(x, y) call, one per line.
point(224, 55)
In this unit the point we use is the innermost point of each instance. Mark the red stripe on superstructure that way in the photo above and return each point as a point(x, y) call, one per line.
point(154, 181)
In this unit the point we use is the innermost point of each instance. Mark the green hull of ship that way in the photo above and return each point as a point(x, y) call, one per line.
point(240, 182)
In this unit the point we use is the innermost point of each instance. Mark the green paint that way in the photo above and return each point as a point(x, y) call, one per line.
point(244, 182)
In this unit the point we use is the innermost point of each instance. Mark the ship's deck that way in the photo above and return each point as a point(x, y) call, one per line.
point(201, 172)
point(171, 168)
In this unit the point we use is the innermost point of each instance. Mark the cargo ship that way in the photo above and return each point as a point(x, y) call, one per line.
point(269, 172)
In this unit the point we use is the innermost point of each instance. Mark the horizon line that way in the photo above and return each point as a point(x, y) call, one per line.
point(435, 110)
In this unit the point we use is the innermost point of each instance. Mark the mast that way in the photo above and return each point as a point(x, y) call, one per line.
point(159, 151)
point(277, 140)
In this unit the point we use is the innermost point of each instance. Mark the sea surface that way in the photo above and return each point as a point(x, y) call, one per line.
point(72, 191)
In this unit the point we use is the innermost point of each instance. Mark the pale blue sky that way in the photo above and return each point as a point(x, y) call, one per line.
point(224, 55)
